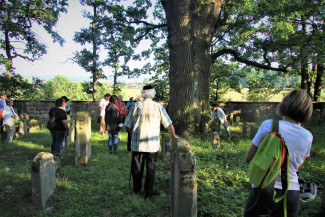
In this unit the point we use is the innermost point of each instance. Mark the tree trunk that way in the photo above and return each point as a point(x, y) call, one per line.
point(94, 69)
point(191, 25)
point(9, 66)
point(319, 82)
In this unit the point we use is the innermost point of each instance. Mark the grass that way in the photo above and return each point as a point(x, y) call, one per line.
point(101, 188)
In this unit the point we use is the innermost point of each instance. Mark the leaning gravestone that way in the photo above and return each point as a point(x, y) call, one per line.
point(183, 180)
point(83, 138)
point(43, 178)
point(215, 141)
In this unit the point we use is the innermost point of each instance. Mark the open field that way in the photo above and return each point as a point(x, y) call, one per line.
point(231, 95)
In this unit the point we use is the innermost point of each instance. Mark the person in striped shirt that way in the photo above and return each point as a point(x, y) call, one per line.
point(144, 120)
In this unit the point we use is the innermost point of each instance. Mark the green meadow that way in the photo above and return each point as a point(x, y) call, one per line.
point(103, 187)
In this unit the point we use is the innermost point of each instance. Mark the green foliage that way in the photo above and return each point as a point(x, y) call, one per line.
point(19, 39)
point(261, 87)
point(18, 87)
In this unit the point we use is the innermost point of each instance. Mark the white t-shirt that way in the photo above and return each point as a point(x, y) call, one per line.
point(220, 114)
point(299, 142)
point(102, 104)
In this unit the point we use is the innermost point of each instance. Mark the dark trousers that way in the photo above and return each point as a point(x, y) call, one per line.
point(58, 139)
point(137, 167)
point(128, 145)
point(256, 204)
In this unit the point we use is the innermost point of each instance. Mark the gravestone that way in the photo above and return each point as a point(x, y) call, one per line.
point(183, 180)
point(43, 171)
point(83, 138)
point(253, 130)
point(245, 128)
point(231, 119)
point(215, 141)
point(165, 146)
point(237, 121)
point(33, 126)
point(72, 128)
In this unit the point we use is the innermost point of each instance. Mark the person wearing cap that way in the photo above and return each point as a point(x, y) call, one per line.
point(67, 102)
point(144, 122)
point(101, 109)
point(9, 116)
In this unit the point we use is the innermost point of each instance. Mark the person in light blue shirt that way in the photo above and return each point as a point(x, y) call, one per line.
point(221, 118)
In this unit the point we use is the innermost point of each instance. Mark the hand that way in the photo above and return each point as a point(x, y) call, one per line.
point(175, 137)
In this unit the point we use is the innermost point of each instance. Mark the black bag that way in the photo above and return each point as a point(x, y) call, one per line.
point(51, 123)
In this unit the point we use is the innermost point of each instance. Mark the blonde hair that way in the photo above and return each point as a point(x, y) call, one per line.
point(297, 105)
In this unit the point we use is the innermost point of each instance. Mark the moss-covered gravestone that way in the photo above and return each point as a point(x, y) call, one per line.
point(43, 178)
point(215, 140)
point(165, 146)
point(83, 138)
point(33, 126)
point(183, 180)
point(72, 127)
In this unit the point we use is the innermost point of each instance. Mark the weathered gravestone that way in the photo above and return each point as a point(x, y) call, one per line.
point(83, 138)
point(33, 126)
point(183, 180)
point(43, 178)
point(71, 135)
point(253, 130)
point(231, 119)
point(245, 128)
point(215, 140)
point(237, 121)
point(165, 146)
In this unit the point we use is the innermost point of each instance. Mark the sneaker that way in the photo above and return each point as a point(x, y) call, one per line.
point(111, 152)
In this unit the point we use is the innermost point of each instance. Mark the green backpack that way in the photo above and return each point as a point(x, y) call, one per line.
point(271, 156)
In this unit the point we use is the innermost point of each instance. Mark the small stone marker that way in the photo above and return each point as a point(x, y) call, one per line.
point(245, 128)
point(83, 138)
point(231, 119)
point(34, 126)
point(43, 178)
point(237, 121)
point(215, 142)
point(183, 180)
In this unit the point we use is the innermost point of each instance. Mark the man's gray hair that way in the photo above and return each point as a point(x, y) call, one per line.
point(148, 93)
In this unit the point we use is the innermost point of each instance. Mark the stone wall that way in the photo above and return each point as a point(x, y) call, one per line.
point(247, 111)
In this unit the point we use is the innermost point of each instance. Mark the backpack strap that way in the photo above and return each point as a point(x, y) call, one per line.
point(275, 125)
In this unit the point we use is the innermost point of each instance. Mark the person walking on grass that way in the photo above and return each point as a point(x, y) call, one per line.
point(295, 108)
point(9, 116)
point(144, 122)
point(101, 109)
point(61, 128)
point(113, 123)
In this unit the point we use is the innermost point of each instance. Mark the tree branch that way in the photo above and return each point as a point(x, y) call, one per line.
point(237, 57)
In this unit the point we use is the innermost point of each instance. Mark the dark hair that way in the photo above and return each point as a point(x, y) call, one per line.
point(65, 98)
point(147, 87)
point(59, 102)
point(107, 95)
point(214, 105)
point(112, 99)
point(2, 94)
point(297, 105)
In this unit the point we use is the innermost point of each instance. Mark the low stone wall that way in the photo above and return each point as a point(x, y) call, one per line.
point(247, 111)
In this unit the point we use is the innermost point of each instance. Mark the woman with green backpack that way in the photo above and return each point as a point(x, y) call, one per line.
point(295, 109)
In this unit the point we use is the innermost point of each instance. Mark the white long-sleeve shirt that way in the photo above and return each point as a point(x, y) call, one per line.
point(219, 113)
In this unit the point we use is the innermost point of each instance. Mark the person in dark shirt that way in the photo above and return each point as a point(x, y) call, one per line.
point(61, 127)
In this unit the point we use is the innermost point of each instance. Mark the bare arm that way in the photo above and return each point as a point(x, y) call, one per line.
point(251, 152)
point(172, 132)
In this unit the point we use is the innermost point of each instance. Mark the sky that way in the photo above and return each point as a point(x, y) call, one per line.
point(56, 61)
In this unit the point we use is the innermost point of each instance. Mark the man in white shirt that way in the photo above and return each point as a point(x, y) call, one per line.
point(221, 118)
point(101, 109)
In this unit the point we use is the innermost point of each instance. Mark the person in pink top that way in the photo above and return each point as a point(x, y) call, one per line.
point(122, 106)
